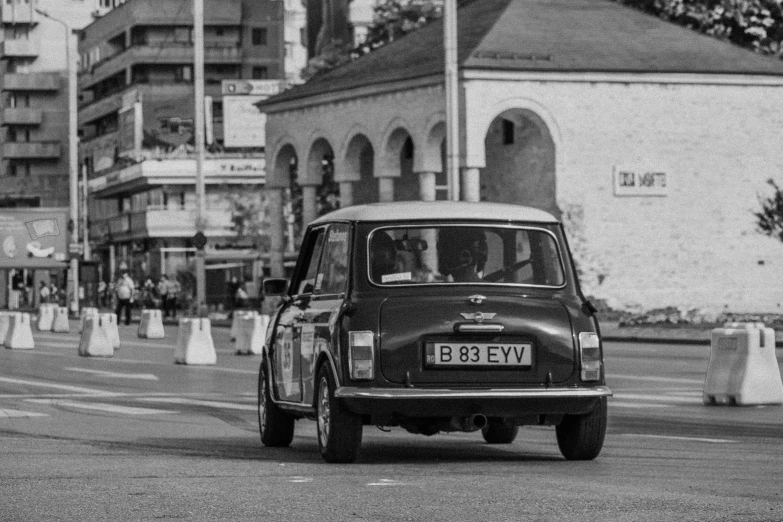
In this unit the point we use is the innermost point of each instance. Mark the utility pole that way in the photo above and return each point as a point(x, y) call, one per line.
point(451, 73)
point(198, 135)
point(73, 158)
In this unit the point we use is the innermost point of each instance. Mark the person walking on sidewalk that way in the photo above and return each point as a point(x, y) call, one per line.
point(125, 289)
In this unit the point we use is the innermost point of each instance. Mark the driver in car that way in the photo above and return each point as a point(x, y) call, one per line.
point(462, 253)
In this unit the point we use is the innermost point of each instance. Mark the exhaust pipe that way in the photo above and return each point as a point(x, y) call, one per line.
point(469, 423)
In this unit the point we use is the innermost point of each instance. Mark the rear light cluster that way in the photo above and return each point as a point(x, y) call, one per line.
point(361, 355)
point(590, 356)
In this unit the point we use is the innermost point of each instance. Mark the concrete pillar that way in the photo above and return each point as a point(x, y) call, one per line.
point(346, 194)
point(385, 190)
point(274, 198)
point(309, 204)
point(427, 186)
point(471, 187)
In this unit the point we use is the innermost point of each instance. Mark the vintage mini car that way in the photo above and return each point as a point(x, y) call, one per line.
point(433, 316)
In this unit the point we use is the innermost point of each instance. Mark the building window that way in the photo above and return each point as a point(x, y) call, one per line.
point(183, 73)
point(259, 36)
point(260, 73)
point(508, 132)
point(183, 35)
point(18, 169)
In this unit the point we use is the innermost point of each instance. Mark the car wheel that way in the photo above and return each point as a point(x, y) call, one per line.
point(275, 426)
point(339, 430)
point(499, 433)
point(581, 437)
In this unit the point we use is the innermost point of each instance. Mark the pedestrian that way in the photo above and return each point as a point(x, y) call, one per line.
point(241, 297)
point(172, 295)
point(44, 292)
point(17, 287)
point(103, 297)
point(233, 286)
point(149, 294)
point(125, 290)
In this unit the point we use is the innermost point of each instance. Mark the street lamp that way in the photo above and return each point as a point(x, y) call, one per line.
point(73, 159)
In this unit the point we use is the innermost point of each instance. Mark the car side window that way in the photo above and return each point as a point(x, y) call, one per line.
point(333, 272)
point(309, 272)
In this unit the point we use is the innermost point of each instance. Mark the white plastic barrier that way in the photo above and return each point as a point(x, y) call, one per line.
point(87, 311)
point(46, 317)
point(743, 368)
point(5, 323)
point(194, 342)
point(94, 341)
point(251, 334)
point(151, 325)
point(61, 324)
point(236, 318)
point(109, 325)
point(20, 334)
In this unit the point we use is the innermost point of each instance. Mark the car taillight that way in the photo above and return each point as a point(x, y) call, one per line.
point(590, 356)
point(361, 354)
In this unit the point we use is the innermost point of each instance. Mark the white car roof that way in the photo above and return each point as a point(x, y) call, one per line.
point(438, 210)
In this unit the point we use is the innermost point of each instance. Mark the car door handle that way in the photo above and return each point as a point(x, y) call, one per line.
point(480, 328)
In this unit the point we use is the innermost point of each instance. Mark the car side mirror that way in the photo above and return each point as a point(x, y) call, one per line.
point(275, 286)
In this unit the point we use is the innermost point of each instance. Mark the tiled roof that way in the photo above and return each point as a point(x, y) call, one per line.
point(544, 35)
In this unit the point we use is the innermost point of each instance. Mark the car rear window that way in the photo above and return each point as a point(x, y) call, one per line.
point(464, 254)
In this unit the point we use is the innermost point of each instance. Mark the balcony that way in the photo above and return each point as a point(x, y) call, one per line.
point(153, 54)
point(160, 223)
point(40, 81)
point(22, 116)
point(32, 150)
point(18, 13)
point(20, 48)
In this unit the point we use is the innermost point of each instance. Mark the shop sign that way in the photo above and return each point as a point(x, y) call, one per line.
point(640, 182)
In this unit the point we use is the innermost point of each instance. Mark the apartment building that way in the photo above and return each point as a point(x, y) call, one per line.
point(136, 125)
point(34, 98)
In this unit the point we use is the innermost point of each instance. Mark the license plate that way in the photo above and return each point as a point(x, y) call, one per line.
point(479, 354)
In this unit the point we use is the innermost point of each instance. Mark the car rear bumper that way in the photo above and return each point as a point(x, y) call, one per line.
point(438, 402)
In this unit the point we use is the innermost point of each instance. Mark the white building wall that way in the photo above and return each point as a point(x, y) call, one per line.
point(697, 247)
point(694, 248)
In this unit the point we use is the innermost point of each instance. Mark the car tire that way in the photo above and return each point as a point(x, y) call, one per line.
point(275, 426)
point(499, 433)
point(581, 437)
point(339, 430)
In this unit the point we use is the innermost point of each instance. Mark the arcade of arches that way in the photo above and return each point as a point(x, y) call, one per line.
point(396, 161)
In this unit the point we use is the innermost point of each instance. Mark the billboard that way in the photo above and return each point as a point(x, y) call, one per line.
point(244, 125)
point(34, 238)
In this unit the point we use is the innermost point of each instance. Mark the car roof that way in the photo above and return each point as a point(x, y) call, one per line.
point(438, 210)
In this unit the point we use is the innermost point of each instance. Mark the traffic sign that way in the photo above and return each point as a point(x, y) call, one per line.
point(199, 240)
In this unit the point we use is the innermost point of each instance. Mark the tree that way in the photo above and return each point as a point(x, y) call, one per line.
point(392, 19)
point(249, 217)
point(770, 219)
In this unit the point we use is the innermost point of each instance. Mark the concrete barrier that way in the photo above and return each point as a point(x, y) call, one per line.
point(5, 323)
point(20, 334)
point(743, 369)
point(45, 317)
point(151, 325)
point(87, 311)
point(109, 325)
point(61, 324)
point(94, 341)
point(236, 318)
point(194, 342)
point(251, 334)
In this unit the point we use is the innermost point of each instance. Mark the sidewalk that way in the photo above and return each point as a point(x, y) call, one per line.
point(669, 334)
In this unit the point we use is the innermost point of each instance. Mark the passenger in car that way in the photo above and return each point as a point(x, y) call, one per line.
point(462, 253)
point(383, 256)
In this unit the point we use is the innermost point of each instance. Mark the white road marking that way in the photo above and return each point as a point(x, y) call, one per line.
point(17, 414)
point(36, 351)
point(386, 482)
point(616, 404)
point(116, 375)
point(100, 406)
point(658, 398)
point(78, 389)
point(672, 437)
point(654, 379)
point(300, 480)
point(195, 402)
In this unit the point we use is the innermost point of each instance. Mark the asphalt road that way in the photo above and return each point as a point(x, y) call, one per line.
point(137, 437)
